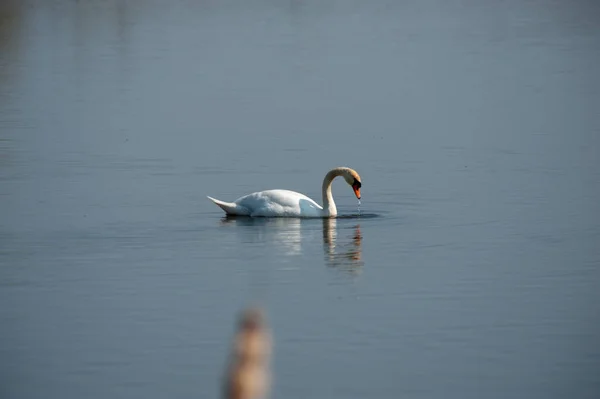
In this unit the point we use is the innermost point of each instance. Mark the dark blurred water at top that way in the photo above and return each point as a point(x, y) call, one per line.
point(475, 127)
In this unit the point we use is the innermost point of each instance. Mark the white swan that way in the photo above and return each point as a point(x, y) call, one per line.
point(285, 203)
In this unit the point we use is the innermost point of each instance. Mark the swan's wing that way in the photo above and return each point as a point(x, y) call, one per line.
point(280, 203)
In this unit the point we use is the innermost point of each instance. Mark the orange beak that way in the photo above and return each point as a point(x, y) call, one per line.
point(356, 191)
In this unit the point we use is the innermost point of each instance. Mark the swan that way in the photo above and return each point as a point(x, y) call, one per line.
point(286, 203)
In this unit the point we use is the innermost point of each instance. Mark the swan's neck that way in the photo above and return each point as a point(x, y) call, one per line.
point(328, 203)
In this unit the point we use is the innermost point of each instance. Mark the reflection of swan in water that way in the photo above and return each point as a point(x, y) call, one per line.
point(347, 255)
point(284, 233)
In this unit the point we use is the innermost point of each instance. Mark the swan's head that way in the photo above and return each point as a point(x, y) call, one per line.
point(353, 179)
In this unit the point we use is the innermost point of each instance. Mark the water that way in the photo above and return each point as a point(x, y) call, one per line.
point(472, 271)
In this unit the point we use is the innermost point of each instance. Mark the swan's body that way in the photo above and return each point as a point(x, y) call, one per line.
point(285, 203)
point(282, 203)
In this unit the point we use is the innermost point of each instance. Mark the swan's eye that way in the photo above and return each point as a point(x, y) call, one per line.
point(356, 184)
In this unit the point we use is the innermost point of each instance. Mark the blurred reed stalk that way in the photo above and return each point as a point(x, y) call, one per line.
point(248, 374)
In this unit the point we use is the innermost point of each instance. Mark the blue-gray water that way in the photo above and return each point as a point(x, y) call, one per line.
point(475, 127)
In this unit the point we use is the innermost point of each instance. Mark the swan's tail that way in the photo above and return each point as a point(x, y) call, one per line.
point(230, 208)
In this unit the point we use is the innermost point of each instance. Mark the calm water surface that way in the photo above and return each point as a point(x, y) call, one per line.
point(474, 126)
